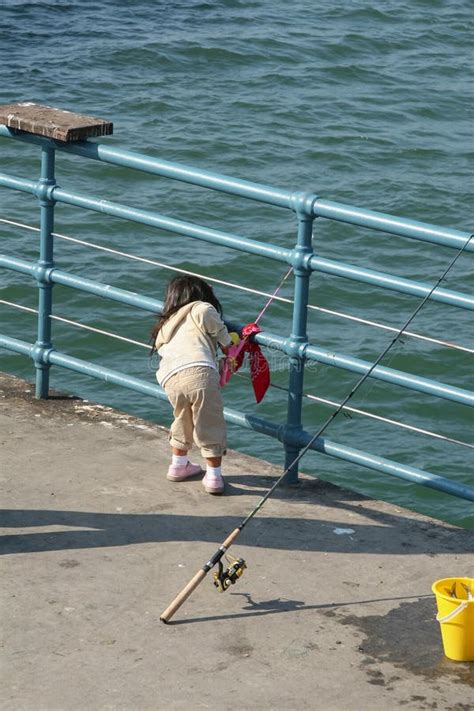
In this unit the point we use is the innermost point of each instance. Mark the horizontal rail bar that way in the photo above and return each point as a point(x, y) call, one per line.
point(395, 377)
point(106, 374)
point(346, 408)
point(387, 466)
point(324, 446)
point(357, 365)
point(308, 351)
point(84, 367)
point(18, 265)
point(83, 326)
point(401, 226)
point(184, 173)
point(24, 185)
point(240, 287)
point(106, 291)
point(153, 219)
point(166, 169)
point(169, 224)
point(15, 345)
point(312, 398)
point(327, 266)
point(393, 283)
point(388, 420)
point(355, 456)
point(73, 281)
point(279, 197)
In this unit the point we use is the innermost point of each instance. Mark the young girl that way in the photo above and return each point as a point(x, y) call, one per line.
point(186, 336)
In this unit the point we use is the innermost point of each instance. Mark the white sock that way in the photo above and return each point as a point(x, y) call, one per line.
point(179, 461)
point(214, 471)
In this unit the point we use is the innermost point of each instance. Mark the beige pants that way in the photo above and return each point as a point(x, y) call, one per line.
point(198, 411)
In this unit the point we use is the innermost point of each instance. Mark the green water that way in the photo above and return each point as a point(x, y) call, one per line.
point(364, 103)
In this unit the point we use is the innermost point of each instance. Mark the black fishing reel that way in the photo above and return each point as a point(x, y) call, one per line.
point(223, 579)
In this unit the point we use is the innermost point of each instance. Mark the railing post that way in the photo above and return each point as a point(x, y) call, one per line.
point(45, 263)
point(301, 254)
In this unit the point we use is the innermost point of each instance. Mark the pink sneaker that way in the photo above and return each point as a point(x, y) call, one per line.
point(178, 472)
point(213, 484)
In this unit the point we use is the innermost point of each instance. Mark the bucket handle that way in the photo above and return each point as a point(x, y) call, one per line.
point(452, 614)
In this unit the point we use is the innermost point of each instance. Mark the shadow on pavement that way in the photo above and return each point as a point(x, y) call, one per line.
point(387, 533)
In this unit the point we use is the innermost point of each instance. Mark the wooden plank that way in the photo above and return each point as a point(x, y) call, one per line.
point(53, 123)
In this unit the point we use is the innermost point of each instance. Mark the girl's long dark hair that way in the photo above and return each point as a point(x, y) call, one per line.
point(183, 290)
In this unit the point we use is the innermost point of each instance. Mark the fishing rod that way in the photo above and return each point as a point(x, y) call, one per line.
point(235, 350)
point(224, 579)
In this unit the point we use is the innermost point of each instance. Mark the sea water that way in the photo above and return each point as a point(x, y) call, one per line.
point(367, 103)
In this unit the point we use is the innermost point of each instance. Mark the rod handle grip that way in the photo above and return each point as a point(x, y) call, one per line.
point(182, 596)
point(231, 538)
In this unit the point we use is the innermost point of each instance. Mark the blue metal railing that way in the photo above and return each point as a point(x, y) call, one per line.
point(306, 207)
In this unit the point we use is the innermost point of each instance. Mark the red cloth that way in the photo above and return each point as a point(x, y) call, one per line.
point(259, 368)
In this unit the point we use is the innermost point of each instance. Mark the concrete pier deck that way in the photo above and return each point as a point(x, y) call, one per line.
point(335, 611)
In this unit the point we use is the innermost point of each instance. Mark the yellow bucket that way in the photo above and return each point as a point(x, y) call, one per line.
point(455, 600)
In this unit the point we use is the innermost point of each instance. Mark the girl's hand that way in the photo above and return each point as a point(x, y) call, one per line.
point(230, 360)
point(232, 363)
point(235, 338)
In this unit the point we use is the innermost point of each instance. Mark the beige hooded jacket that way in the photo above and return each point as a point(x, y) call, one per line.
point(189, 338)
